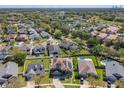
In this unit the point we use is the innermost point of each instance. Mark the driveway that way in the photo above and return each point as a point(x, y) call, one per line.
point(30, 84)
point(57, 83)
point(85, 85)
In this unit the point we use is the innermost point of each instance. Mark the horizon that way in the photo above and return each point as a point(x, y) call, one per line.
point(61, 6)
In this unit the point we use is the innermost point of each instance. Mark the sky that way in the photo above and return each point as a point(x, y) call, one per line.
point(59, 6)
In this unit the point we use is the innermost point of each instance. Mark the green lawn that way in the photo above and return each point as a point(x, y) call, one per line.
point(83, 51)
point(1, 64)
point(73, 80)
point(68, 86)
point(46, 79)
point(22, 80)
point(46, 63)
point(75, 63)
point(63, 52)
point(20, 69)
point(100, 73)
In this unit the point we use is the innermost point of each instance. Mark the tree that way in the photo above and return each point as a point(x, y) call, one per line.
point(92, 82)
point(13, 83)
point(97, 49)
point(56, 25)
point(20, 58)
point(121, 55)
point(37, 79)
point(65, 30)
point(101, 83)
point(119, 45)
point(121, 31)
point(79, 41)
point(120, 83)
point(112, 52)
point(96, 82)
point(109, 43)
point(93, 42)
point(121, 52)
point(57, 33)
point(81, 34)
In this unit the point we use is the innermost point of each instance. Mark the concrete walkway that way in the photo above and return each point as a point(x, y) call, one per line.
point(57, 83)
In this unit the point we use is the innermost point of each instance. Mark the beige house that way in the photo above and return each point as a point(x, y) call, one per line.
point(111, 37)
point(101, 36)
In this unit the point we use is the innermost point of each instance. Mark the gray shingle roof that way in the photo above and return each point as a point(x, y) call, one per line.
point(10, 68)
point(35, 68)
point(113, 67)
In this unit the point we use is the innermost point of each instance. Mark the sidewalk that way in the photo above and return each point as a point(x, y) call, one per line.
point(85, 85)
point(57, 83)
point(30, 84)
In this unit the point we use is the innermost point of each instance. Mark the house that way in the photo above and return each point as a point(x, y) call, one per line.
point(45, 34)
point(111, 37)
point(2, 56)
point(7, 48)
point(94, 33)
point(9, 69)
point(9, 38)
point(11, 31)
point(34, 36)
point(38, 48)
point(120, 37)
point(66, 43)
point(112, 29)
point(53, 49)
point(30, 32)
point(62, 67)
point(100, 25)
point(25, 47)
point(34, 69)
point(22, 37)
point(2, 47)
point(114, 71)
point(20, 24)
point(86, 67)
point(101, 36)
point(22, 31)
point(74, 47)
point(39, 30)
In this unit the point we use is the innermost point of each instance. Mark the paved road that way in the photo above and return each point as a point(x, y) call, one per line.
point(57, 83)
point(78, 55)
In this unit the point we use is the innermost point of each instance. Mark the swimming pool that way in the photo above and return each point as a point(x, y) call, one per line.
point(85, 59)
point(103, 62)
point(82, 58)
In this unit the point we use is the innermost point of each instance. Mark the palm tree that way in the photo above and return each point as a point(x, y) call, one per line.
point(92, 82)
point(96, 82)
point(120, 83)
point(13, 83)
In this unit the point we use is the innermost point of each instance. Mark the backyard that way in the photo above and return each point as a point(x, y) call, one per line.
point(45, 61)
